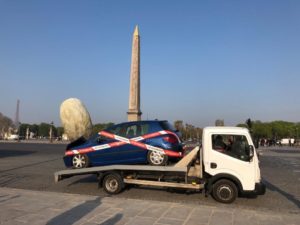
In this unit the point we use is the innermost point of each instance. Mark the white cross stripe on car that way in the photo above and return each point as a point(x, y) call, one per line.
point(123, 140)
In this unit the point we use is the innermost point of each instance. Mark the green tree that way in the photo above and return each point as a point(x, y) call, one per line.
point(44, 129)
point(101, 126)
point(273, 130)
point(5, 124)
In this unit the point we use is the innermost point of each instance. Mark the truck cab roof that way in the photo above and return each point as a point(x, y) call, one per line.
point(226, 129)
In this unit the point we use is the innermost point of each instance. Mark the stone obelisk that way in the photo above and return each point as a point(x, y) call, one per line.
point(134, 112)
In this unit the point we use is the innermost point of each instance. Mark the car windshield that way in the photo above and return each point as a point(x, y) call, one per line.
point(167, 126)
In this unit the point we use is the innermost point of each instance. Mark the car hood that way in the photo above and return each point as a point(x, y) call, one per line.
point(78, 142)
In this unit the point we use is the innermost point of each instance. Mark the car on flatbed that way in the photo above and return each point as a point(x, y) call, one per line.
point(153, 142)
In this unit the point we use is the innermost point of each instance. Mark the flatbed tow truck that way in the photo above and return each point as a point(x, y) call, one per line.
point(223, 170)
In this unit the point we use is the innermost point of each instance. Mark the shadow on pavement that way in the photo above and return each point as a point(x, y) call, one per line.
point(14, 153)
point(286, 151)
point(29, 165)
point(288, 196)
point(4, 198)
point(85, 179)
point(112, 220)
point(78, 212)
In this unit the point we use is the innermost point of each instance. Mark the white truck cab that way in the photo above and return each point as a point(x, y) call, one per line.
point(230, 159)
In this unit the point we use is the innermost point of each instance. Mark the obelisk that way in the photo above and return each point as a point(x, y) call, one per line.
point(134, 112)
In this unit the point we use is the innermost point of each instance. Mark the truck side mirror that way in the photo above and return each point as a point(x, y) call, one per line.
point(251, 152)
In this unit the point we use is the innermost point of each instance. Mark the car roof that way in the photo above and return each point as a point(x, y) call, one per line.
point(141, 121)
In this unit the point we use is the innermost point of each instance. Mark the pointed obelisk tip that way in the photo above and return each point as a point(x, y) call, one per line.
point(136, 31)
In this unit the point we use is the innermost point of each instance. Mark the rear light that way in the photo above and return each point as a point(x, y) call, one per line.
point(171, 139)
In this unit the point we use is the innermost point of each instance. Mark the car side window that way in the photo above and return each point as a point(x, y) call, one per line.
point(131, 131)
point(235, 146)
point(136, 130)
point(144, 129)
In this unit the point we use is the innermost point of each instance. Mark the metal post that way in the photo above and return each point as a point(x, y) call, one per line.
point(51, 132)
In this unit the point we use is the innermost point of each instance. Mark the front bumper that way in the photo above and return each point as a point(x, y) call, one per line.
point(68, 161)
point(260, 188)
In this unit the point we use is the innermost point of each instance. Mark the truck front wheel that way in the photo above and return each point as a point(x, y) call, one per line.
point(224, 191)
point(113, 183)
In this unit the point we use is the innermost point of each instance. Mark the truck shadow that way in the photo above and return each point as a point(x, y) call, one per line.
point(14, 153)
point(85, 179)
point(288, 196)
point(73, 215)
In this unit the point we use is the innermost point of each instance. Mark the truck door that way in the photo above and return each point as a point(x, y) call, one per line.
point(230, 154)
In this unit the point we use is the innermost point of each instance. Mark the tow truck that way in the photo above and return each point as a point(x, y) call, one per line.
point(225, 165)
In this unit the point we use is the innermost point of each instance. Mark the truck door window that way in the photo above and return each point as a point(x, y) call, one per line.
point(233, 145)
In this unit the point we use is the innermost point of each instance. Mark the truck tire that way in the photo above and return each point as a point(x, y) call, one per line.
point(113, 183)
point(224, 191)
point(80, 161)
point(155, 158)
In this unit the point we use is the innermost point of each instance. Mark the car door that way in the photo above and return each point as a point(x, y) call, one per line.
point(123, 154)
point(130, 153)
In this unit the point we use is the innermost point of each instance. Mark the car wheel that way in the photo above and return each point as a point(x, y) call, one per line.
point(156, 158)
point(113, 183)
point(224, 191)
point(80, 161)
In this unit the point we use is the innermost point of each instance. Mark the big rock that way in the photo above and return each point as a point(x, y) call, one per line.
point(75, 119)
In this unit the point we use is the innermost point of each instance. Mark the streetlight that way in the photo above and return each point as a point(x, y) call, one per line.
point(296, 141)
point(51, 131)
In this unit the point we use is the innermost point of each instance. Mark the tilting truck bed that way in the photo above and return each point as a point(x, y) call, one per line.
point(60, 175)
point(158, 176)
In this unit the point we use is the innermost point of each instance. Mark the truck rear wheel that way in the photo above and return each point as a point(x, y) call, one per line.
point(113, 183)
point(224, 191)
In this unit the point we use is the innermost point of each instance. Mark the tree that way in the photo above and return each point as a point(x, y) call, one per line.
point(60, 131)
point(44, 129)
point(249, 123)
point(188, 131)
point(5, 125)
point(101, 126)
point(272, 130)
point(219, 123)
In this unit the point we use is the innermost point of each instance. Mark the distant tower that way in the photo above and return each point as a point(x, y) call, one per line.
point(17, 120)
point(134, 112)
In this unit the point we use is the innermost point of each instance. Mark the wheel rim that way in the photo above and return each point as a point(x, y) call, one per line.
point(79, 161)
point(111, 184)
point(156, 157)
point(225, 193)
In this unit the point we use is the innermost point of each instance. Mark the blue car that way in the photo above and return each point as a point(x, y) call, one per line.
point(140, 142)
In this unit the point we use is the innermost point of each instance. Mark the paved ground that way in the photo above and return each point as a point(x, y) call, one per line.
point(31, 166)
point(19, 207)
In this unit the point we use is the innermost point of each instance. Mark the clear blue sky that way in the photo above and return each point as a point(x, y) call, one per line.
point(200, 60)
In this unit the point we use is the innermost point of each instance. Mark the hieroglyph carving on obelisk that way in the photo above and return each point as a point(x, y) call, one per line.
point(134, 112)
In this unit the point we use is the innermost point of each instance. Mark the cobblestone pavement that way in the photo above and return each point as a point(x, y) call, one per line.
point(37, 208)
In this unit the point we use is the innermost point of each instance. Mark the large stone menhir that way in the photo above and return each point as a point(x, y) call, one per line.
point(75, 119)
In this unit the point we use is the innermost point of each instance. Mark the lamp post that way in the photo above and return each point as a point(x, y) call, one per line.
point(51, 132)
point(296, 139)
point(27, 133)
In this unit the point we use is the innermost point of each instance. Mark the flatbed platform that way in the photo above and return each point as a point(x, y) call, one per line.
point(60, 175)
